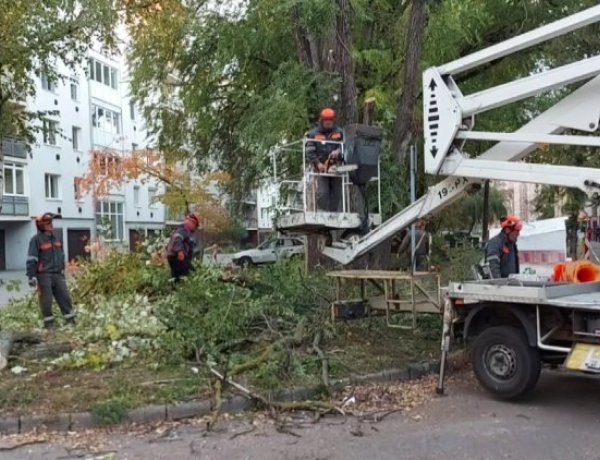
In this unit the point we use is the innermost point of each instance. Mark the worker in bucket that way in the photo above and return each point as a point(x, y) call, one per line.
point(46, 270)
point(501, 252)
point(180, 249)
point(324, 149)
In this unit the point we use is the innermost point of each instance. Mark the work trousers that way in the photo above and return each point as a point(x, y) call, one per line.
point(54, 285)
point(329, 193)
point(179, 268)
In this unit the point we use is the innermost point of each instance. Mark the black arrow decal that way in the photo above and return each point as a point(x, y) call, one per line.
point(434, 151)
point(432, 85)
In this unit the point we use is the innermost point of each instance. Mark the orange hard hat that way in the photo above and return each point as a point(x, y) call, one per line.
point(327, 114)
point(512, 222)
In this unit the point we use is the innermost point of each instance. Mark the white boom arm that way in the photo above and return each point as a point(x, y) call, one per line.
point(449, 120)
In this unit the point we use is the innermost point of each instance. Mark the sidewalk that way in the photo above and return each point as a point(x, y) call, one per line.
point(7, 277)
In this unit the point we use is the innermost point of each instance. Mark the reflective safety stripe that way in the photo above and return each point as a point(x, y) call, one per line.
point(177, 235)
point(493, 258)
point(34, 258)
point(69, 316)
point(48, 319)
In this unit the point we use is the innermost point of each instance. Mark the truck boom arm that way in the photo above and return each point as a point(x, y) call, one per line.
point(449, 118)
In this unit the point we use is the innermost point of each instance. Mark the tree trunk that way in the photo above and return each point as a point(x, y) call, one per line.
point(345, 63)
point(404, 127)
point(6, 342)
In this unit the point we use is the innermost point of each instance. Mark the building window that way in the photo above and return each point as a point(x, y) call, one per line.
point(76, 133)
point(107, 163)
point(134, 146)
point(49, 129)
point(132, 110)
point(152, 197)
point(106, 120)
point(47, 83)
point(52, 182)
point(74, 92)
point(109, 220)
point(103, 73)
point(14, 179)
point(77, 193)
point(136, 196)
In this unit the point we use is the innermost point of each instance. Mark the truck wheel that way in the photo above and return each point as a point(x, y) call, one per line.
point(245, 262)
point(504, 363)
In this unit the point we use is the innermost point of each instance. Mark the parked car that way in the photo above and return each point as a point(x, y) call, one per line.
point(270, 252)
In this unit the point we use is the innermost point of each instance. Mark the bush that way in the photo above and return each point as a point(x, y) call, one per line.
point(123, 273)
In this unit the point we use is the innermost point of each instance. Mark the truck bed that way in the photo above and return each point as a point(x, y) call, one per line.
point(584, 296)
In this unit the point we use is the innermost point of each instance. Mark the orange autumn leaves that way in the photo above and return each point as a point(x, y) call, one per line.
point(180, 189)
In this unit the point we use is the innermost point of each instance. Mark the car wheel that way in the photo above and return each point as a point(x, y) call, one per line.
point(245, 262)
point(504, 363)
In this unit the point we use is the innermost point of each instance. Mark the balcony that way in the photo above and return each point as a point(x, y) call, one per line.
point(13, 148)
point(250, 223)
point(15, 206)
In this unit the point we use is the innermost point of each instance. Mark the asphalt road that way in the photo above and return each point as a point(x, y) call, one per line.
point(560, 422)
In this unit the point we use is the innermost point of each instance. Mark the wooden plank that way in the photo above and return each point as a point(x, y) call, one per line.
point(380, 275)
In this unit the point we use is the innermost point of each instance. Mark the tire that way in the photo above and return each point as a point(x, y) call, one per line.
point(245, 262)
point(504, 363)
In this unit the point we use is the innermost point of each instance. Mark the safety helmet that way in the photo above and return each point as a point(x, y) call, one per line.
point(45, 219)
point(327, 114)
point(512, 222)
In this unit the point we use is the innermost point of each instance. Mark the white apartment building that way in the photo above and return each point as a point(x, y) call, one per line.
point(95, 113)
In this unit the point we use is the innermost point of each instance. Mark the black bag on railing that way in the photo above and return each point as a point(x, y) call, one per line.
point(362, 144)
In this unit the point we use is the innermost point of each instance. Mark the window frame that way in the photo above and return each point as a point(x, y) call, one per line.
point(109, 209)
point(48, 186)
point(76, 132)
point(49, 134)
point(152, 192)
point(14, 166)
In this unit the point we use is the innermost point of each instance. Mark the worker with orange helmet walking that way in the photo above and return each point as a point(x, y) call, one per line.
point(180, 249)
point(324, 149)
point(501, 252)
point(46, 270)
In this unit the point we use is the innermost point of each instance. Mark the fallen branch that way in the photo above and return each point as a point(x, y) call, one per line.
point(312, 406)
point(22, 444)
point(242, 433)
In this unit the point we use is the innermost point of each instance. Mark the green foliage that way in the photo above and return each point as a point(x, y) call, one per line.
point(111, 411)
point(36, 36)
point(121, 272)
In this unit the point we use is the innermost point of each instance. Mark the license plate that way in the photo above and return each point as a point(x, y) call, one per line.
point(584, 357)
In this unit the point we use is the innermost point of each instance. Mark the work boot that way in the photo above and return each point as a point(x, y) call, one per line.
point(49, 323)
point(70, 320)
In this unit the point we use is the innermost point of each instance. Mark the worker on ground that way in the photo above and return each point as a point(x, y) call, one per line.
point(323, 150)
point(46, 270)
point(422, 246)
point(180, 249)
point(501, 252)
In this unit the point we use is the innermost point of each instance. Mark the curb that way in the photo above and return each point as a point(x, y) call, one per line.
point(78, 421)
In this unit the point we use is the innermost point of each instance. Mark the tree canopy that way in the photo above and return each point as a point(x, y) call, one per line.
point(254, 76)
point(35, 38)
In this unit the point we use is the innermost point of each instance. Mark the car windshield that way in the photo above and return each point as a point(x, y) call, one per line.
point(267, 244)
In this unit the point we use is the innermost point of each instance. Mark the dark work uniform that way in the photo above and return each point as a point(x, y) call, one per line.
point(502, 256)
point(329, 189)
point(180, 241)
point(46, 262)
